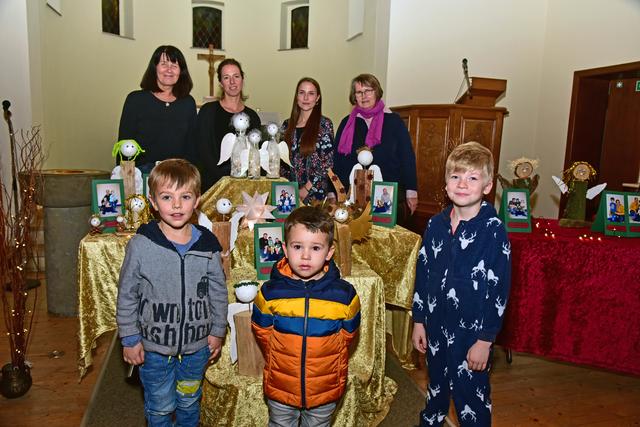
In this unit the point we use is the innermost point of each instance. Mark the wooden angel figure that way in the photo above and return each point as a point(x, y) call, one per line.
point(574, 184)
point(523, 168)
point(127, 170)
point(361, 176)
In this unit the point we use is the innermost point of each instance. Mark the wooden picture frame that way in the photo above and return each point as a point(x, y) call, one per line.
point(285, 196)
point(618, 214)
point(107, 201)
point(515, 210)
point(384, 203)
point(268, 240)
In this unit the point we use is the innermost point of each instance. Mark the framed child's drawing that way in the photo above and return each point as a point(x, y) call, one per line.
point(618, 214)
point(268, 242)
point(384, 203)
point(107, 201)
point(285, 197)
point(515, 210)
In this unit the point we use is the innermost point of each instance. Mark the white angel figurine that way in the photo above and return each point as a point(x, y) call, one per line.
point(272, 152)
point(235, 146)
point(365, 158)
point(254, 154)
point(574, 184)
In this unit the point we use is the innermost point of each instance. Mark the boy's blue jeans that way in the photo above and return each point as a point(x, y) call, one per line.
point(173, 384)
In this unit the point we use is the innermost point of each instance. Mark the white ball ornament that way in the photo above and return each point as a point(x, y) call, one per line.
point(128, 148)
point(94, 221)
point(272, 129)
point(136, 204)
point(120, 219)
point(254, 136)
point(246, 291)
point(341, 215)
point(240, 122)
point(365, 158)
point(223, 206)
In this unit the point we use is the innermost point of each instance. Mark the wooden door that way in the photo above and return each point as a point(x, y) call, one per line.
point(620, 155)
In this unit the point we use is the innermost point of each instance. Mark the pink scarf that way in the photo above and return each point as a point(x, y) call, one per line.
point(375, 128)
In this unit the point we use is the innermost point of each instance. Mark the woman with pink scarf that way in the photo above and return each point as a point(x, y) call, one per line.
point(373, 125)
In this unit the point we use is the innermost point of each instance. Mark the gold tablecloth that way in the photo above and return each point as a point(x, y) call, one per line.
point(232, 188)
point(390, 252)
point(234, 400)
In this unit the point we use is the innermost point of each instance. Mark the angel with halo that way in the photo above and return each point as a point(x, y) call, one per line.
point(574, 183)
point(523, 168)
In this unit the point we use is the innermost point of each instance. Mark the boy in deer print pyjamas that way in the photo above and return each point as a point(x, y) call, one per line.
point(462, 285)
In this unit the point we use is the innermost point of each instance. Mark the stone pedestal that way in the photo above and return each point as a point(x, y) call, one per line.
point(66, 198)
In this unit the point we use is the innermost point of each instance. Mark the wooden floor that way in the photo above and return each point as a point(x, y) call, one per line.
point(529, 392)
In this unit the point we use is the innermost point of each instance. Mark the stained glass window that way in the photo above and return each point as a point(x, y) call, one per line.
point(111, 16)
point(207, 27)
point(300, 27)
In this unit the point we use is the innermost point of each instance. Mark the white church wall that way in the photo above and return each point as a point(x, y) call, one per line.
point(15, 85)
point(500, 38)
point(536, 46)
point(87, 74)
point(580, 34)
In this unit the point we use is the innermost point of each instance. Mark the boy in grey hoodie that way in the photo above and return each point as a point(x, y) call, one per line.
point(172, 298)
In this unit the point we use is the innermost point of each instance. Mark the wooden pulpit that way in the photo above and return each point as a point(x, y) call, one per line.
point(435, 129)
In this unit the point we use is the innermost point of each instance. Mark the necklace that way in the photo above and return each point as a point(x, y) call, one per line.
point(166, 104)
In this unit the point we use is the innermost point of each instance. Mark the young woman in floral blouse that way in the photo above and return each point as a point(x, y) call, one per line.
point(309, 135)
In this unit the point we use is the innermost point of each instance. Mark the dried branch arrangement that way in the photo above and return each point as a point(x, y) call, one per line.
point(18, 240)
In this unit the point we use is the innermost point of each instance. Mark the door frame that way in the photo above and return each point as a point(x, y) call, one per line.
point(589, 98)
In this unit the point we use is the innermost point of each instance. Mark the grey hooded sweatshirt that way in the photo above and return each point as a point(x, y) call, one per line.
point(174, 302)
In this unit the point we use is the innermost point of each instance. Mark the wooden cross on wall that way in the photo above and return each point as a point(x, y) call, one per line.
point(211, 58)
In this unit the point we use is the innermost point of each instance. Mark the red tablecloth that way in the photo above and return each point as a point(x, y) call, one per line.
point(575, 300)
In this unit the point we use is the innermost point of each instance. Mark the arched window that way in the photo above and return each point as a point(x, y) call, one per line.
point(300, 27)
point(294, 24)
point(207, 27)
point(111, 16)
point(117, 17)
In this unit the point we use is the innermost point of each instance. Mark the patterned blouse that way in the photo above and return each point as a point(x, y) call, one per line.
point(314, 167)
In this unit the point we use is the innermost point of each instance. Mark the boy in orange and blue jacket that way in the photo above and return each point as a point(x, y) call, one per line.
point(304, 319)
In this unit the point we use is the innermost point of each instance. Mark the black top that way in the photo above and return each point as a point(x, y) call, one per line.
point(161, 128)
point(212, 124)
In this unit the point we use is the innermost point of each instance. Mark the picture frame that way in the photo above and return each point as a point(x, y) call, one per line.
point(268, 242)
point(107, 201)
point(384, 203)
point(285, 196)
point(618, 214)
point(515, 210)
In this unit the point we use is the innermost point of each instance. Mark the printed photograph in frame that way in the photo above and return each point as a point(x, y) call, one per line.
point(618, 214)
point(285, 197)
point(268, 240)
point(384, 203)
point(107, 201)
point(515, 210)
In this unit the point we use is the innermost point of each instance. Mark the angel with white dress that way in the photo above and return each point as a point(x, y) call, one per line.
point(574, 184)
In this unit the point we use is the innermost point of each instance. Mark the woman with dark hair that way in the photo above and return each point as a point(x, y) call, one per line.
point(309, 136)
point(370, 123)
point(214, 122)
point(161, 116)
